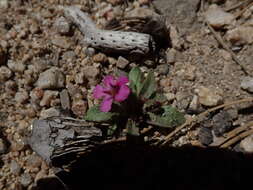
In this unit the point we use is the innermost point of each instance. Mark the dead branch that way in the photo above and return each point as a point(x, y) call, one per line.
point(106, 40)
point(225, 46)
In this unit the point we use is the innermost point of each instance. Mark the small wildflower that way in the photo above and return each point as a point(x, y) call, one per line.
point(112, 89)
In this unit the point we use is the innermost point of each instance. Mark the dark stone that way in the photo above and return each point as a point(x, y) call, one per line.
point(222, 123)
point(205, 136)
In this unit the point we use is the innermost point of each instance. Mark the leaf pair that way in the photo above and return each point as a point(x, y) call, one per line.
point(94, 114)
point(142, 87)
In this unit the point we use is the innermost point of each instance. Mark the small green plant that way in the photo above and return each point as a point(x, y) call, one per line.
point(132, 102)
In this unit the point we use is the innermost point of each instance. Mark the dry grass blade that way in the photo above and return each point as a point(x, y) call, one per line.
point(225, 46)
point(239, 14)
point(237, 5)
point(235, 132)
point(191, 122)
point(237, 138)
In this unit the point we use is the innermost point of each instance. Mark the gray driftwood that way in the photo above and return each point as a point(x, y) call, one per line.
point(59, 140)
point(106, 40)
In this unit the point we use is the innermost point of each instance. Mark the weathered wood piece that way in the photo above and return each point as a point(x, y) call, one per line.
point(109, 41)
point(60, 140)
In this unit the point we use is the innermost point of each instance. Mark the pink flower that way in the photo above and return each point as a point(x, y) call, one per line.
point(111, 89)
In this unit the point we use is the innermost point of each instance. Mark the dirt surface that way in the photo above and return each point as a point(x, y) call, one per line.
point(45, 68)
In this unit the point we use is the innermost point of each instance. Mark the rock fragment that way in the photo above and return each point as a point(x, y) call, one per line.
point(218, 18)
point(209, 96)
point(50, 112)
point(247, 144)
point(21, 97)
point(5, 73)
point(79, 107)
point(62, 26)
point(222, 122)
point(48, 96)
point(247, 84)
point(15, 167)
point(25, 179)
point(205, 136)
point(241, 35)
point(122, 62)
point(51, 79)
point(3, 146)
point(65, 100)
point(61, 41)
point(16, 66)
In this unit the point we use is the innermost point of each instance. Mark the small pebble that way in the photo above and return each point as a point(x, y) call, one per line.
point(122, 62)
point(62, 26)
point(15, 167)
point(247, 144)
point(222, 123)
point(48, 96)
point(51, 79)
point(218, 18)
point(61, 42)
point(100, 58)
point(50, 112)
point(241, 35)
point(247, 84)
point(162, 69)
point(3, 146)
point(25, 179)
point(65, 100)
point(5, 73)
point(91, 72)
point(79, 107)
point(16, 66)
point(205, 136)
point(21, 97)
point(209, 96)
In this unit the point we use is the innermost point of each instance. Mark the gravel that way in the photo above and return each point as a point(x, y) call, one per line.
point(44, 66)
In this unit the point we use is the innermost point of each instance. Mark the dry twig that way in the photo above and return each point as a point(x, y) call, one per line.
point(239, 14)
point(192, 121)
point(225, 46)
point(237, 138)
point(234, 133)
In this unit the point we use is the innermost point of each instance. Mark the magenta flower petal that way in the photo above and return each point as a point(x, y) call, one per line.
point(98, 92)
point(122, 80)
point(122, 94)
point(106, 104)
point(109, 81)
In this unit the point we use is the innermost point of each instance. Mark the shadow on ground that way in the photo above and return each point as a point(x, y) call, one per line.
point(125, 167)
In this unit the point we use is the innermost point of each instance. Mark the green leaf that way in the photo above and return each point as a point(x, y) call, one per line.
point(111, 129)
point(135, 77)
point(171, 117)
point(149, 86)
point(158, 99)
point(94, 114)
point(132, 129)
